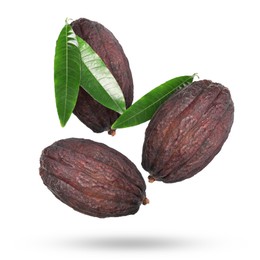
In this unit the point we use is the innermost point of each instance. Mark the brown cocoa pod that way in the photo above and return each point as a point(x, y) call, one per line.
point(103, 42)
point(92, 178)
point(187, 131)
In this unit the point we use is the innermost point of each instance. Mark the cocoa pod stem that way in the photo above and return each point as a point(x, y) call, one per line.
point(112, 132)
point(151, 179)
point(146, 201)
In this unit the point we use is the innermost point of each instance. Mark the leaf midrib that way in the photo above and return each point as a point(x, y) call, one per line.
point(67, 62)
point(135, 115)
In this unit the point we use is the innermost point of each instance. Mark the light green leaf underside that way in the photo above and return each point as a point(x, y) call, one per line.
point(98, 81)
point(143, 109)
point(67, 67)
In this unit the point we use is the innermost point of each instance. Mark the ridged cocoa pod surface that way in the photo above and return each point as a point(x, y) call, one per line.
point(89, 111)
point(92, 178)
point(187, 131)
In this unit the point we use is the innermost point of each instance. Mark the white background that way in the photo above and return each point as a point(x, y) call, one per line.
point(214, 215)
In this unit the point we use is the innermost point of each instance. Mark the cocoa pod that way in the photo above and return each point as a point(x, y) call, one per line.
point(187, 131)
point(92, 178)
point(103, 42)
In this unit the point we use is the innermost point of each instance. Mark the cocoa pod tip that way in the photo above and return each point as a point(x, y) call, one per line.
point(146, 201)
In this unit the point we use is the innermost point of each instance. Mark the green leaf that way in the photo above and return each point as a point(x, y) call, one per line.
point(143, 109)
point(67, 67)
point(98, 81)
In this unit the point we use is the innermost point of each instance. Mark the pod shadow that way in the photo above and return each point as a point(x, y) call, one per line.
point(132, 243)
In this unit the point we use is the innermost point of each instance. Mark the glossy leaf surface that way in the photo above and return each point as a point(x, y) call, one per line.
point(98, 81)
point(67, 67)
point(143, 109)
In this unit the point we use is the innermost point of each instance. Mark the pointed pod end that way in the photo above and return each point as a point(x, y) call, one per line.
point(112, 132)
point(146, 201)
point(151, 179)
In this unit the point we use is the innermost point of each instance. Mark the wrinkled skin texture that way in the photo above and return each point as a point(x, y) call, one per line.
point(90, 112)
point(92, 178)
point(187, 131)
